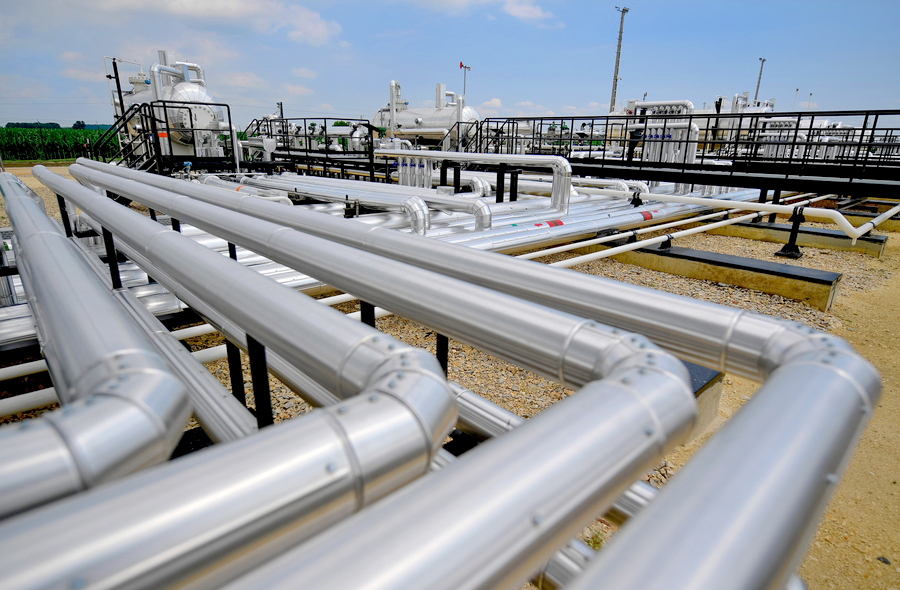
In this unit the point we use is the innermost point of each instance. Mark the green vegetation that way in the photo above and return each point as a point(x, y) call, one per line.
point(595, 541)
point(32, 126)
point(50, 144)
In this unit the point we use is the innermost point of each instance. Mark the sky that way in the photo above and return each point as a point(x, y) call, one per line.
point(336, 58)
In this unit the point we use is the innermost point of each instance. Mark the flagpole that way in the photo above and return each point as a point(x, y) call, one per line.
point(465, 70)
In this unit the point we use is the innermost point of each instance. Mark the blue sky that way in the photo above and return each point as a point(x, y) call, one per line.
point(528, 57)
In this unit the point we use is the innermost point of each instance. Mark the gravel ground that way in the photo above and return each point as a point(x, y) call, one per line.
point(853, 534)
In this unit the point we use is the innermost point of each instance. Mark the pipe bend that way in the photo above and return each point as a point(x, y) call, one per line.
point(410, 374)
point(420, 219)
point(128, 410)
point(483, 215)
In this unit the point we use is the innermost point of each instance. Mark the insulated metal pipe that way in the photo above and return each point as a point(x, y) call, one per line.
point(641, 231)
point(712, 335)
point(124, 412)
point(412, 206)
point(311, 391)
point(356, 451)
point(504, 511)
point(549, 342)
point(331, 189)
point(562, 170)
point(702, 532)
point(318, 343)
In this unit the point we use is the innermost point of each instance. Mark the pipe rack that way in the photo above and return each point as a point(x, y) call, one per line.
point(494, 517)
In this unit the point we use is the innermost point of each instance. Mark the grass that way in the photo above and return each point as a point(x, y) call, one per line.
point(595, 541)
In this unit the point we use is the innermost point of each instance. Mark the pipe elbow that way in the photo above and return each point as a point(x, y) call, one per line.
point(382, 365)
point(81, 445)
point(419, 216)
point(796, 344)
point(483, 215)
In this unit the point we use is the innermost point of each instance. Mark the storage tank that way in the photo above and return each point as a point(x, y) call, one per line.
point(431, 124)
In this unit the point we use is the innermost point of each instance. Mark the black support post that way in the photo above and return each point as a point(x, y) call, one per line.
point(457, 181)
point(232, 251)
point(259, 375)
point(235, 371)
point(776, 199)
point(367, 313)
point(762, 199)
point(64, 215)
point(501, 182)
point(176, 225)
point(112, 259)
point(514, 185)
point(444, 165)
point(443, 350)
point(791, 250)
point(153, 214)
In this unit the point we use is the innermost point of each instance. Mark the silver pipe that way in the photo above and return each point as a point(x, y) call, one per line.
point(498, 520)
point(562, 170)
point(551, 343)
point(480, 210)
point(317, 343)
point(219, 413)
point(412, 206)
point(406, 407)
point(311, 391)
point(702, 531)
point(124, 412)
point(192, 67)
point(711, 335)
point(210, 516)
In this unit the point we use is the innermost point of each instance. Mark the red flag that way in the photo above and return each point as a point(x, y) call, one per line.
point(461, 66)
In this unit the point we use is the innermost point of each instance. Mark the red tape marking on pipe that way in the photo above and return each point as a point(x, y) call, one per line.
point(239, 188)
point(163, 134)
point(646, 215)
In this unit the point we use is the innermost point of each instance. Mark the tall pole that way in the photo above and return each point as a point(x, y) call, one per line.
point(762, 62)
point(465, 70)
point(794, 105)
point(612, 101)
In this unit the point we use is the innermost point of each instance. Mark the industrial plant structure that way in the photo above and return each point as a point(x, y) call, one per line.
point(432, 214)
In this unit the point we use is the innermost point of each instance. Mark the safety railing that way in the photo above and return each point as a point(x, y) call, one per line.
point(857, 139)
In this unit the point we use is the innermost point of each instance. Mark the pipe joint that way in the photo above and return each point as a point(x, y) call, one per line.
point(383, 365)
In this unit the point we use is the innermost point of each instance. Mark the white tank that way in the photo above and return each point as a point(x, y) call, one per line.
point(194, 116)
point(428, 122)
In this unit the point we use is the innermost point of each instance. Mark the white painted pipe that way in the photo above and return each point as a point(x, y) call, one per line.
point(28, 401)
point(814, 212)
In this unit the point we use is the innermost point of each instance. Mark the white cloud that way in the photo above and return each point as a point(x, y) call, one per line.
point(309, 26)
point(593, 105)
point(297, 90)
point(70, 56)
point(525, 10)
point(303, 73)
point(525, 103)
point(494, 103)
point(265, 16)
point(85, 75)
point(570, 108)
point(325, 107)
point(243, 80)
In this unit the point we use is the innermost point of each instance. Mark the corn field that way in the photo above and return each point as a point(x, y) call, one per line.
point(50, 144)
